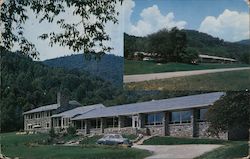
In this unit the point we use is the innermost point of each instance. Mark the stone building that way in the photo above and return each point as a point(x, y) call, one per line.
point(39, 119)
point(179, 117)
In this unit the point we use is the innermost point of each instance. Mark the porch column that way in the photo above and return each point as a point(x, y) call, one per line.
point(194, 123)
point(86, 126)
point(81, 124)
point(103, 124)
point(141, 120)
point(120, 122)
point(166, 124)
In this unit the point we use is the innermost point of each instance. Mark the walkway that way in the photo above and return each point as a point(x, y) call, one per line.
point(177, 151)
point(154, 76)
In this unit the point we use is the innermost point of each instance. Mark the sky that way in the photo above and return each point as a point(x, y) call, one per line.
point(226, 19)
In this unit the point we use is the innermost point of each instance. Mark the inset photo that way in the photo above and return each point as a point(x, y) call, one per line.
point(187, 45)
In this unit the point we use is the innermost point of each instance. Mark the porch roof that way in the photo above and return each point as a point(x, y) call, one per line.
point(178, 103)
point(78, 111)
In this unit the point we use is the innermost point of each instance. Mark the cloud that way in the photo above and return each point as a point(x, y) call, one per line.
point(230, 25)
point(152, 20)
point(32, 29)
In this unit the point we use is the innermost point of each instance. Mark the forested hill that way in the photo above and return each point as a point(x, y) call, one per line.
point(202, 42)
point(244, 42)
point(27, 84)
point(109, 67)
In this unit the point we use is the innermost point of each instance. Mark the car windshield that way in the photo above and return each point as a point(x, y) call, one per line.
point(117, 136)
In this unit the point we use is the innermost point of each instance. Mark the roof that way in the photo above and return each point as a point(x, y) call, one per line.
point(78, 111)
point(217, 58)
point(42, 108)
point(177, 103)
point(49, 107)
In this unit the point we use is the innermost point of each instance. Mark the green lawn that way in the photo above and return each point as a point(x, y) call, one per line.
point(144, 67)
point(179, 141)
point(236, 149)
point(25, 146)
point(223, 81)
point(230, 150)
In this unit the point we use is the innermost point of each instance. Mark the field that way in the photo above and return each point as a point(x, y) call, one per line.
point(230, 150)
point(27, 146)
point(223, 81)
point(145, 67)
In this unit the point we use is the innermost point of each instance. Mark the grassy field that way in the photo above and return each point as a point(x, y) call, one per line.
point(26, 146)
point(230, 150)
point(223, 81)
point(179, 141)
point(144, 67)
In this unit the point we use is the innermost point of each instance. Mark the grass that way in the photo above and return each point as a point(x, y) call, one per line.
point(223, 81)
point(232, 150)
point(24, 146)
point(145, 67)
point(179, 141)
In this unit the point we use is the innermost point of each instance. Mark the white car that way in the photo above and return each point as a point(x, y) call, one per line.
point(114, 139)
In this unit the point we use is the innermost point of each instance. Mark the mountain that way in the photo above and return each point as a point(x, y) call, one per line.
point(28, 84)
point(202, 42)
point(244, 42)
point(109, 67)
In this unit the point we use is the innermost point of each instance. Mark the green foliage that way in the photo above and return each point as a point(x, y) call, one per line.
point(174, 43)
point(17, 146)
point(144, 67)
point(109, 67)
point(52, 133)
point(29, 84)
point(71, 130)
point(232, 110)
point(77, 36)
point(229, 151)
point(90, 140)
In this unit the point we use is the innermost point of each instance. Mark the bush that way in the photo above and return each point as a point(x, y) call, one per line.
point(71, 130)
point(52, 133)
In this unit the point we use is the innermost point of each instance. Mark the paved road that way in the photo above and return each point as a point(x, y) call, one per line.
point(154, 76)
point(177, 151)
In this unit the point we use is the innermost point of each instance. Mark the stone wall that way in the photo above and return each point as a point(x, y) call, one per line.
point(203, 133)
point(41, 121)
point(156, 130)
point(181, 130)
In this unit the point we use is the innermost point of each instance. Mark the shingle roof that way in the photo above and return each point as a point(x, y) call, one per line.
point(78, 111)
point(50, 107)
point(177, 103)
point(42, 108)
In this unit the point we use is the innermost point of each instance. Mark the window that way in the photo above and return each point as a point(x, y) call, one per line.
point(202, 114)
point(154, 118)
point(181, 117)
point(127, 121)
point(47, 125)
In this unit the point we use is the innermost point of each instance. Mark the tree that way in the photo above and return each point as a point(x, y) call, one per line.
point(84, 35)
point(232, 110)
point(190, 55)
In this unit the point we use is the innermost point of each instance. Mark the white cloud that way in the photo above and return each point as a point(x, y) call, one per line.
point(230, 25)
point(152, 20)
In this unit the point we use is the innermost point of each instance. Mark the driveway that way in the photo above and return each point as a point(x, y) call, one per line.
point(177, 151)
point(154, 76)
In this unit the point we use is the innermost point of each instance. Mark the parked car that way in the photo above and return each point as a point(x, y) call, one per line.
point(114, 139)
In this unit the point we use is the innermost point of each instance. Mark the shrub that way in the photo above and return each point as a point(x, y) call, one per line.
point(52, 133)
point(71, 130)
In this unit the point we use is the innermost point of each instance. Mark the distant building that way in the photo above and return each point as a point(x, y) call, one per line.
point(215, 59)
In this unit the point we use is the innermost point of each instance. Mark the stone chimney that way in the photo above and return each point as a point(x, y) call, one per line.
point(62, 99)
